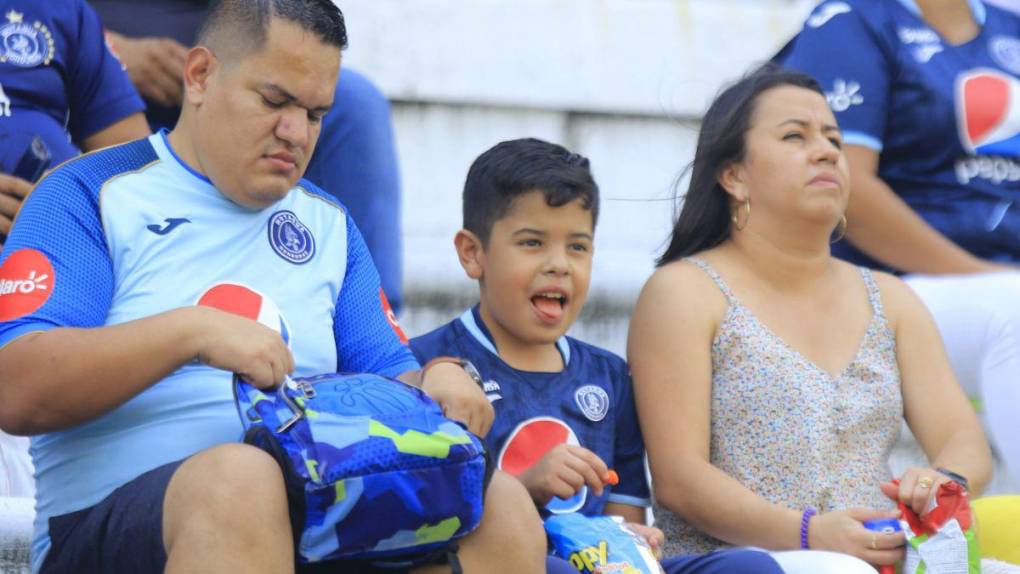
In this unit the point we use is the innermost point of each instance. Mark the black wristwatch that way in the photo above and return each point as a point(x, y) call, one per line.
point(472, 372)
point(955, 477)
point(465, 364)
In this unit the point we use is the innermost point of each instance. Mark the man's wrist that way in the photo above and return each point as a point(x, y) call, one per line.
point(464, 364)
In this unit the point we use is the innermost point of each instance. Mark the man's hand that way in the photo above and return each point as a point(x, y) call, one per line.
point(461, 399)
point(13, 192)
point(155, 65)
point(563, 471)
point(237, 344)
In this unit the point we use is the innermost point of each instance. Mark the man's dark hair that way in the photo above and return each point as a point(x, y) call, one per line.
point(516, 167)
point(237, 27)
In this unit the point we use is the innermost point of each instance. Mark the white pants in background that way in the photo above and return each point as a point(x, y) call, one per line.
point(978, 317)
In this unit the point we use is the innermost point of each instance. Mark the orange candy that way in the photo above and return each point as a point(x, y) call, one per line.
point(612, 479)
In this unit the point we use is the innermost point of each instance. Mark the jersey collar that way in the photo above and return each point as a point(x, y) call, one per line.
point(472, 321)
point(976, 8)
point(161, 138)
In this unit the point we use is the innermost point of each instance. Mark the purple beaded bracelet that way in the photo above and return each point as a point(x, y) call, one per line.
point(804, 520)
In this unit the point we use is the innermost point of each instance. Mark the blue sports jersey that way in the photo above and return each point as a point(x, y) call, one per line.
point(590, 403)
point(130, 232)
point(945, 118)
point(58, 80)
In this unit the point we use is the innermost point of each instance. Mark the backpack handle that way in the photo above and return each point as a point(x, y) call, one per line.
point(298, 412)
point(281, 392)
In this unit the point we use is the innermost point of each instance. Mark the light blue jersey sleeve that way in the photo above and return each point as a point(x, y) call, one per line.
point(846, 55)
point(368, 338)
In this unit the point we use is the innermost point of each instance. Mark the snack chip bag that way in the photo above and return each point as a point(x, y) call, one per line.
point(942, 540)
point(600, 545)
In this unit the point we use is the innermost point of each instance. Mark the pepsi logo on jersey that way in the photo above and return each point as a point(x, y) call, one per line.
point(528, 443)
point(26, 282)
point(246, 302)
point(988, 121)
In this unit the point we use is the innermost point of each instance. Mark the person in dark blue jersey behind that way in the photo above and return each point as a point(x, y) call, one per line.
point(925, 94)
point(564, 409)
point(61, 86)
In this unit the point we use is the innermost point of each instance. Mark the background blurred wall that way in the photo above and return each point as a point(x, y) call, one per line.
point(620, 81)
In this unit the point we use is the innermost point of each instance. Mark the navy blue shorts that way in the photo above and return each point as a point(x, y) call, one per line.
point(723, 562)
point(124, 534)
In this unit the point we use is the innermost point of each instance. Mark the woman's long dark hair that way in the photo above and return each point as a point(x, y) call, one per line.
point(704, 220)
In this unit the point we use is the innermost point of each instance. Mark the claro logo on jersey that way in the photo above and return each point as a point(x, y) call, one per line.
point(26, 282)
point(391, 317)
point(988, 122)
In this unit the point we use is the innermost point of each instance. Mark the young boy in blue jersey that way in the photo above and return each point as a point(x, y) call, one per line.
point(565, 414)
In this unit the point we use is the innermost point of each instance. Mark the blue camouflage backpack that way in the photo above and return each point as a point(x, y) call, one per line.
point(374, 471)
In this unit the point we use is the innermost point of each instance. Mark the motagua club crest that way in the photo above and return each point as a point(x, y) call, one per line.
point(290, 239)
point(593, 402)
point(23, 44)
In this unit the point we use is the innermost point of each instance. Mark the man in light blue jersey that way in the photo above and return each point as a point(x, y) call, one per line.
point(138, 278)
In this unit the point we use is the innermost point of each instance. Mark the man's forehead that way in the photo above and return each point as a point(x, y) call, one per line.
point(305, 69)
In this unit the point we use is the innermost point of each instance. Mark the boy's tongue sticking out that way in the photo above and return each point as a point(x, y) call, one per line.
point(548, 305)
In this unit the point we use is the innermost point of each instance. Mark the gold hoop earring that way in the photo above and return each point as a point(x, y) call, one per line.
point(747, 217)
point(841, 230)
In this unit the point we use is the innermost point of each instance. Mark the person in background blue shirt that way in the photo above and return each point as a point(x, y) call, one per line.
point(927, 94)
point(564, 409)
point(58, 83)
point(355, 159)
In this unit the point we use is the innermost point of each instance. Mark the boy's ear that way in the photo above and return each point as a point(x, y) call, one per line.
point(469, 251)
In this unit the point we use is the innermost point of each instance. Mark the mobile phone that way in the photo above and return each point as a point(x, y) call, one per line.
point(32, 164)
point(34, 161)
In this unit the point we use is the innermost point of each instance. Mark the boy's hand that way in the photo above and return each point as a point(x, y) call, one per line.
point(652, 535)
point(562, 472)
point(459, 396)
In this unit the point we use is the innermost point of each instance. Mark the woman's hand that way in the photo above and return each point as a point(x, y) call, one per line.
point(916, 489)
point(844, 531)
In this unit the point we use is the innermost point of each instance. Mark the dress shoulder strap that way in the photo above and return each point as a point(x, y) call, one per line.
point(874, 295)
point(711, 272)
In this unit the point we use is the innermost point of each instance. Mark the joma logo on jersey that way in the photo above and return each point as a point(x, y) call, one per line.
point(828, 12)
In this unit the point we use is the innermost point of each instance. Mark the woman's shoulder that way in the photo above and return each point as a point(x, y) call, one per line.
point(687, 275)
point(685, 286)
point(896, 296)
